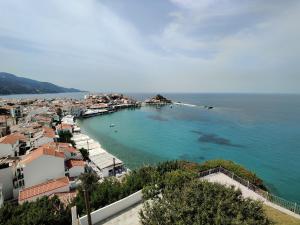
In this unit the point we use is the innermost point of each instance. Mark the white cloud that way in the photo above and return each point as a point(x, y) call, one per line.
point(209, 45)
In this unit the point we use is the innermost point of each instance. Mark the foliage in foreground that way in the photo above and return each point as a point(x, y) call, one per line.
point(201, 203)
point(44, 211)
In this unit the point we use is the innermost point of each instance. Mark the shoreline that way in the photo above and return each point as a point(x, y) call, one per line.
point(101, 160)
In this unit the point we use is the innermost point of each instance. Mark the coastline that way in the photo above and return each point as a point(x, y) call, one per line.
point(95, 150)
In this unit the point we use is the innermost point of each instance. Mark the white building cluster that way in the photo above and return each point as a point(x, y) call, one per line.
point(35, 161)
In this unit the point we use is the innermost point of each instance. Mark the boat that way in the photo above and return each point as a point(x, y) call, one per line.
point(112, 125)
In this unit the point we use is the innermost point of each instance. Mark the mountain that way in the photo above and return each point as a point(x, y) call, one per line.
point(12, 84)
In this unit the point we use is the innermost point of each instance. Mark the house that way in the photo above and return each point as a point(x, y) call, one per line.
point(10, 144)
point(48, 136)
point(5, 123)
point(107, 163)
point(47, 188)
point(75, 167)
point(41, 165)
point(64, 127)
point(68, 119)
point(66, 148)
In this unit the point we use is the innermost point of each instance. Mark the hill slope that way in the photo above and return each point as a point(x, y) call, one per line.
point(12, 84)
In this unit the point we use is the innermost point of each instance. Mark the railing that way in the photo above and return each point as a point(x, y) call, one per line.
point(292, 206)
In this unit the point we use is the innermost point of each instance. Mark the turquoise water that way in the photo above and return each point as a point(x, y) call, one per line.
point(261, 132)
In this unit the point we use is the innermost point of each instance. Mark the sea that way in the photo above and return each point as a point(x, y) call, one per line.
point(258, 131)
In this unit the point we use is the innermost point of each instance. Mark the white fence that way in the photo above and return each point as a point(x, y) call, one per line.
point(112, 209)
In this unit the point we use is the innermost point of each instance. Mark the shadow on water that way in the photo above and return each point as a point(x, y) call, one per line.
point(215, 139)
point(157, 117)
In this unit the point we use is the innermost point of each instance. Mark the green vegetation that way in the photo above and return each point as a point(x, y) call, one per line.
point(235, 168)
point(85, 153)
point(280, 218)
point(44, 211)
point(200, 203)
point(111, 189)
point(189, 198)
point(66, 137)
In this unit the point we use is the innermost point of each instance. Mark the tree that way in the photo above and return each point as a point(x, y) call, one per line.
point(65, 136)
point(84, 153)
point(200, 203)
point(59, 112)
point(43, 211)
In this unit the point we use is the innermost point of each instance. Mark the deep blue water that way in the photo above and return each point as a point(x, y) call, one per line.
point(261, 132)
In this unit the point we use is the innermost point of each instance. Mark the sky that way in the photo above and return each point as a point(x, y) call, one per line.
point(154, 45)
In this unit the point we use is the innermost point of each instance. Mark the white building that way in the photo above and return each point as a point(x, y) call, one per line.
point(68, 119)
point(10, 144)
point(47, 136)
point(106, 162)
point(75, 167)
point(41, 165)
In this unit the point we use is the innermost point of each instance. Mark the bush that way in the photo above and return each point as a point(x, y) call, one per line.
point(198, 202)
point(43, 211)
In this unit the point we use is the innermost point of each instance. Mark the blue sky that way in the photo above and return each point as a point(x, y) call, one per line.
point(154, 45)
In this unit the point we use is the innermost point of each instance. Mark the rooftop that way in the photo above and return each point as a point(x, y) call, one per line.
point(12, 138)
point(40, 152)
point(75, 162)
point(43, 188)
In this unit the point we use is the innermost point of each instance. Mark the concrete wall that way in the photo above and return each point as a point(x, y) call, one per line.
point(43, 140)
point(1, 196)
point(112, 209)
point(6, 179)
point(42, 169)
point(6, 150)
point(75, 171)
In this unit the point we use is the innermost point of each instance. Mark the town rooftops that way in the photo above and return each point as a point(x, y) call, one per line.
point(63, 126)
point(60, 146)
point(43, 188)
point(74, 162)
point(12, 138)
point(40, 152)
point(49, 132)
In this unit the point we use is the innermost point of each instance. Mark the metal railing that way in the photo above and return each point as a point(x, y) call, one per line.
point(292, 206)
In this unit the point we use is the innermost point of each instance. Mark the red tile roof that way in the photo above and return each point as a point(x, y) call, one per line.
point(65, 197)
point(43, 188)
point(12, 138)
point(60, 146)
point(74, 162)
point(41, 151)
point(63, 126)
point(49, 132)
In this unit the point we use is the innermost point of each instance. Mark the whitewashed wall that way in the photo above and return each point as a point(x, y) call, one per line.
point(112, 209)
point(6, 179)
point(42, 169)
point(6, 150)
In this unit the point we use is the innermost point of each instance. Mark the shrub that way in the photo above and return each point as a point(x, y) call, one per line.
point(199, 202)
